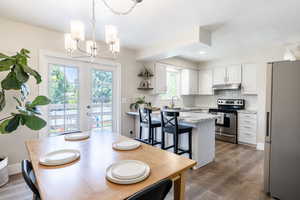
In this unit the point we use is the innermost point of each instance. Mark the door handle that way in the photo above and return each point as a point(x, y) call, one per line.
point(268, 124)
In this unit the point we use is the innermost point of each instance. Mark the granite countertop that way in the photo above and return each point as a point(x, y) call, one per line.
point(185, 117)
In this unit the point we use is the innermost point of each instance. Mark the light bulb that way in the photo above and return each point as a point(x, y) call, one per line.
point(70, 44)
point(77, 30)
point(91, 47)
point(111, 34)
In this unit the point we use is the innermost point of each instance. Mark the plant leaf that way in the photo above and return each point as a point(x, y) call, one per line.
point(21, 75)
point(33, 73)
point(34, 122)
point(40, 101)
point(3, 126)
point(25, 52)
point(2, 100)
point(3, 56)
point(6, 64)
point(13, 124)
point(11, 82)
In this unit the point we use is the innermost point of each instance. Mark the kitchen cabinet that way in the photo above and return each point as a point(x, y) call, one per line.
point(219, 76)
point(227, 75)
point(189, 82)
point(160, 78)
point(205, 77)
point(234, 74)
point(247, 128)
point(249, 85)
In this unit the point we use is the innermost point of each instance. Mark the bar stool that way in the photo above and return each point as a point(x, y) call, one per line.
point(147, 122)
point(169, 123)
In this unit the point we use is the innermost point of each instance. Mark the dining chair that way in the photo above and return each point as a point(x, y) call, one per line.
point(157, 191)
point(147, 122)
point(169, 124)
point(29, 177)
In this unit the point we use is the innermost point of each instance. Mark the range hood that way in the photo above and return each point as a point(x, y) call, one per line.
point(229, 86)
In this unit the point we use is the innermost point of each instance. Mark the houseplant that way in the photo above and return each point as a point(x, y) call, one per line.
point(139, 102)
point(26, 113)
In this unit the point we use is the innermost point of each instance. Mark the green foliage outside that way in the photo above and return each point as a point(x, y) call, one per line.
point(172, 83)
point(18, 73)
point(102, 82)
point(61, 91)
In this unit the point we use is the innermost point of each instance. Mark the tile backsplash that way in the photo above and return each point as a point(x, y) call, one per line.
point(211, 101)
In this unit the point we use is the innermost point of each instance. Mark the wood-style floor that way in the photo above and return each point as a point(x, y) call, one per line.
point(236, 174)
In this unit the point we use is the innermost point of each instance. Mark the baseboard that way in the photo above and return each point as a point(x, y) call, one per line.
point(260, 146)
point(14, 169)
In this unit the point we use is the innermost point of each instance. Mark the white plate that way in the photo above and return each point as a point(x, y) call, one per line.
point(60, 157)
point(77, 136)
point(128, 169)
point(113, 179)
point(126, 145)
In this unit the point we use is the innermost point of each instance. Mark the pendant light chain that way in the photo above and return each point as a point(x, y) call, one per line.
point(135, 2)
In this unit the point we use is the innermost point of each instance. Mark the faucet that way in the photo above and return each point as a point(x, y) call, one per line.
point(172, 102)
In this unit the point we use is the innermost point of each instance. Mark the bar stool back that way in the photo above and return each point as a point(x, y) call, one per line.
point(147, 122)
point(169, 123)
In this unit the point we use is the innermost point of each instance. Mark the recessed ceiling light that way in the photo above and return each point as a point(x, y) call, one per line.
point(202, 52)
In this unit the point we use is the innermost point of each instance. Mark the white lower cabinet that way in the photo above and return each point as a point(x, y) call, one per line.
point(247, 127)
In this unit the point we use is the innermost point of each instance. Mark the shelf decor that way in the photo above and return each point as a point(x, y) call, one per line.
point(145, 84)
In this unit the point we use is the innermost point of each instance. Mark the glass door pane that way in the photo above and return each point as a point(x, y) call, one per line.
point(63, 88)
point(101, 108)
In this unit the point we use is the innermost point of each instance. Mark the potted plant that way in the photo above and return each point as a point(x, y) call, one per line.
point(26, 112)
point(139, 102)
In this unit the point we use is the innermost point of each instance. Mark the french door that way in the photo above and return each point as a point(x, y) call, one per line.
point(84, 96)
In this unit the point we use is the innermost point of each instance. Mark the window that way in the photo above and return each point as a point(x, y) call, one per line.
point(102, 106)
point(63, 112)
point(173, 83)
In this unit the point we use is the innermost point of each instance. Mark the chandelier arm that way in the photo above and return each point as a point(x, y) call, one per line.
point(120, 12)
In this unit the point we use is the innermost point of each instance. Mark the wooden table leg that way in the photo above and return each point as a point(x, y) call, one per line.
point(179, 187)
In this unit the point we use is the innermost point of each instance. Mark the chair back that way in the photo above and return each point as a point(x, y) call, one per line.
point(169, 120)
point(29, 177)
point(145, 115)
point(157, 191)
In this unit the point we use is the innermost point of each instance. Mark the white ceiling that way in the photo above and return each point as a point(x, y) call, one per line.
point(236, 25)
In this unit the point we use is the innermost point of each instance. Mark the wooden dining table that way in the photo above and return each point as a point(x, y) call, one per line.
point(85, 178)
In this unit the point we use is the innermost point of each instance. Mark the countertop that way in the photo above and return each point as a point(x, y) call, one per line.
point(185, 117)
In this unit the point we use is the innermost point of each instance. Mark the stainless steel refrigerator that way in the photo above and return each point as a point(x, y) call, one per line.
point(282, 142)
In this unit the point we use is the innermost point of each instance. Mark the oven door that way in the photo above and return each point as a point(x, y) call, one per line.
point(226, 126)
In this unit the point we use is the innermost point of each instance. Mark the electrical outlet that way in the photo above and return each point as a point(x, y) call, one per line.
point(130, 131)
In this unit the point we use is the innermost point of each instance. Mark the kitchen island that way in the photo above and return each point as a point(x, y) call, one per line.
point(203, 134)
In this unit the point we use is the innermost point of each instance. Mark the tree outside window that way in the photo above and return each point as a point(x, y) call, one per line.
point(173, 84)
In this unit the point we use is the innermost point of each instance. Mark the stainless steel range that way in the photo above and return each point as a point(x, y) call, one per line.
point(226, 124)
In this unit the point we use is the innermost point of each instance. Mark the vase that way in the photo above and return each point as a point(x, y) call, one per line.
point(3, 171)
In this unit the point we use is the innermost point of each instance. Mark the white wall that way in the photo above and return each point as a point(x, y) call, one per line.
point(13, 37)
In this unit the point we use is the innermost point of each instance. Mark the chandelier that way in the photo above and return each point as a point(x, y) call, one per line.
point(76, 38)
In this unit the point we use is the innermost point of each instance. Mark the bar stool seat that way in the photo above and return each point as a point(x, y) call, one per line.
point(154, 124)
point(181, 129)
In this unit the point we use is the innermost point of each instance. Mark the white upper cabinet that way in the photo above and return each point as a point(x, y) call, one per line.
point(189, 82)
point(219, 77)
point(249, 85)
point(205, 77)
point(160, 77)
point(234, 74)
point(227, 75)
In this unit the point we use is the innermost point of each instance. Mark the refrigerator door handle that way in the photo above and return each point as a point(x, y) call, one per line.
point(268, 127)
